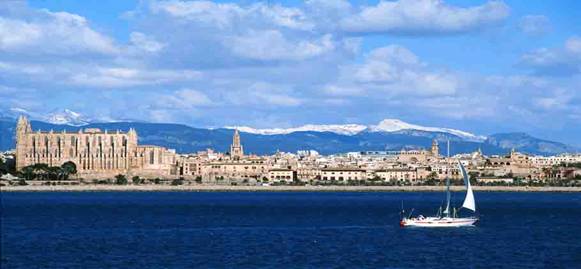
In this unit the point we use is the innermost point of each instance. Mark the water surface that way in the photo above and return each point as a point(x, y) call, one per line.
point(283, 230)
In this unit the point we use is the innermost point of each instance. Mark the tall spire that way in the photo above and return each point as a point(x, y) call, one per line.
point(22, 129)
point(23, 125)
point(236, 139)
point(435, 148)
point(236, 150)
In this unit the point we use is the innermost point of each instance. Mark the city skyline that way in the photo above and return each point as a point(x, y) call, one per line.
point(482, 67)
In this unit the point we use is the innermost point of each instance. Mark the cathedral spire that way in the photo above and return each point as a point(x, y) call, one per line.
point(435, 148)
point(23, 125)
point(236, 150)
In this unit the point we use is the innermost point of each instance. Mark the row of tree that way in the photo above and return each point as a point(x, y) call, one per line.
point(136, 180)
point(42, 171)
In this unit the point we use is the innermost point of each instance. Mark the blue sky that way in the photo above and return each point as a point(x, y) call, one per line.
point(479, 66)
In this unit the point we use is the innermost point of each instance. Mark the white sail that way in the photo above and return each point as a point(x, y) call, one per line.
point(469, 202)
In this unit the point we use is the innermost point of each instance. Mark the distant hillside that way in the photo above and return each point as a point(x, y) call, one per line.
point(527, 143)
point(184, 139)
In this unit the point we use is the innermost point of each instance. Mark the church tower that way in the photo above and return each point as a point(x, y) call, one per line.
point(236, 150)
point(435, 148)
point(22, 129)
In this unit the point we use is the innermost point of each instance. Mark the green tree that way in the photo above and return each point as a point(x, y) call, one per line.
point(40, 171)
point(177, 181)
point(67, 169)
point(53, 173)
point(375, 179)
point(198, 179)
point(3, 167)
point(136, 180)
point(120, 179)
point(27, 173)
point(7, 167)
point(433, 175)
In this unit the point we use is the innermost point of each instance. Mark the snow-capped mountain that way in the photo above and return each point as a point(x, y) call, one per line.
point(68, 117)
point(345, 129)
point(394, 125)
point(187, 139)
point(387, 126)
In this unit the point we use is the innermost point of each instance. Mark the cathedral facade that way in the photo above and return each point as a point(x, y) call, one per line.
point(96, 153)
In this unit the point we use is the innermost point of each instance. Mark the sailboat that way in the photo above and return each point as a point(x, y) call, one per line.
point(446, 218)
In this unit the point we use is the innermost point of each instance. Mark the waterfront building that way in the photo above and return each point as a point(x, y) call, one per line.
point(515, 164)
point(96, 153)
point(543, 161)
point(278, 175)
point(248, 168)
point(401, 174)
point(420, 156)
point(343, 174)
point(307, 172)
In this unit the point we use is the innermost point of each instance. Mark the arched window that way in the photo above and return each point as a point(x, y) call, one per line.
point(59, 148)
point(46, 152)
point(151, 157)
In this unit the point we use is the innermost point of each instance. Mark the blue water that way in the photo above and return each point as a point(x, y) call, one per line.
point(283, 230)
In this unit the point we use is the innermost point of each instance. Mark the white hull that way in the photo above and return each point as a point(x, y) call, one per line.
point(438, 222)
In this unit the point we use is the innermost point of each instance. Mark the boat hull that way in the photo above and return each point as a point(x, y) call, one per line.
point(438, 222)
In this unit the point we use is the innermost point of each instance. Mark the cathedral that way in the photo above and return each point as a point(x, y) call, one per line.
point(96, 153)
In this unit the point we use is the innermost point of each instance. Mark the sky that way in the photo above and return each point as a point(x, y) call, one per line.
point(480, 66)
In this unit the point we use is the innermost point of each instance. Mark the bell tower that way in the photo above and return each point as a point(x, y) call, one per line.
point(236, 150)
point(435, 148)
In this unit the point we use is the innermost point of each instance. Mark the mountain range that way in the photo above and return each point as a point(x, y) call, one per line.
point(389, 134)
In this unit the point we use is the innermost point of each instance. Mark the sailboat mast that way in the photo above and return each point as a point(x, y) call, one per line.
point(448, 183)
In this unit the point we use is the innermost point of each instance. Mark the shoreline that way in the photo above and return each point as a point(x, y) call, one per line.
point(224, 188)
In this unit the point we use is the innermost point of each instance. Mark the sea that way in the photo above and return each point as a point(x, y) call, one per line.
point(283, 230)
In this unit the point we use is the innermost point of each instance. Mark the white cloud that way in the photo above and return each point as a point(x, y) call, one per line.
point(145, 43)
point(127, 77)
point(263, 93)
point(396, 70)
point(184, 99)
point(556, 61)
point(535, 24)
point(558, 99)
point(53, 33)
point(573, 45)
point(343, 90)
point(424, 16)
point(229, 15)
point(272, 45)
